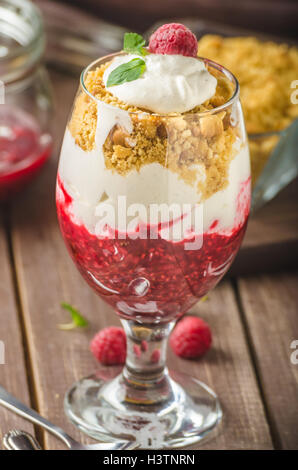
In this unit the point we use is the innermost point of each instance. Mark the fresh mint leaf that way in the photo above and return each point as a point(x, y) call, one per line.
point(77, 319)
point(142, 51)
point(126, 72)
point(132, 42)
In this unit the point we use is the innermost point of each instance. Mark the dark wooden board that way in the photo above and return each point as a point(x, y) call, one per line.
point(270, 306)
point(13, 373)
point(271, 240)
point(228, 369)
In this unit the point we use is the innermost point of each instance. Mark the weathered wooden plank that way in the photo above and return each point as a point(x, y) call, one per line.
point(227, 368)
point(270, 305)
point(271, 240)
point(12, 364)
point(276, 222)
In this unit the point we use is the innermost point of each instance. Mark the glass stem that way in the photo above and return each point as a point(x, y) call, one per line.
point(145, 374)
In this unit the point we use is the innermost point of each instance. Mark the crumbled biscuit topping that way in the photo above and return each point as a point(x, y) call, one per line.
point(198, 148)
point(265, 71)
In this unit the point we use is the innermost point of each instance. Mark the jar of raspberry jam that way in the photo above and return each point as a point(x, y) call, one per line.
point(25, 97)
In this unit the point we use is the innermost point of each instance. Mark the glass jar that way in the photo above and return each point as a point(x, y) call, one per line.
point(25, 96)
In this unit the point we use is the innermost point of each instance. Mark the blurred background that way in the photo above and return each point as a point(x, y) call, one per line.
point(272, 16)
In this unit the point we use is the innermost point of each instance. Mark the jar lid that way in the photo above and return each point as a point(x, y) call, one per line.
point(21, 38)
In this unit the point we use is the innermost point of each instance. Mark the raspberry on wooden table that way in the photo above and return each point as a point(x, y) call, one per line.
point(191, 338)
point(109, 346)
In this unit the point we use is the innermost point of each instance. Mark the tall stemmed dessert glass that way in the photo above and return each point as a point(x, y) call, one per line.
point(153, 196)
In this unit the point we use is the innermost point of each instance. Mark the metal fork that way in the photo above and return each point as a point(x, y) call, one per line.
point(10, 402)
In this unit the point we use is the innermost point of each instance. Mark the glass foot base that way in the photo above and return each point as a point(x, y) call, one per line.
point(182, 413)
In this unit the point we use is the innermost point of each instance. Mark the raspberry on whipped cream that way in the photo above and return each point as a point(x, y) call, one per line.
point(168, 79)
point(173, 38)
point(170, 83)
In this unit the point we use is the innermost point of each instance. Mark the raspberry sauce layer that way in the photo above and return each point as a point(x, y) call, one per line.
point(24, 149)
point(151, 279)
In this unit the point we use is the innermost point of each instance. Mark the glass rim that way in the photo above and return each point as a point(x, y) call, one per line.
point(221, 68)
point(32, 48)
point(267, 134)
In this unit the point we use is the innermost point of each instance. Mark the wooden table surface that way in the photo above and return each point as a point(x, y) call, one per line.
point(253, 320)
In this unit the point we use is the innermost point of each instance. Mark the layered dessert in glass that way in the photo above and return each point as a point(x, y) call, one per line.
point(153, 197)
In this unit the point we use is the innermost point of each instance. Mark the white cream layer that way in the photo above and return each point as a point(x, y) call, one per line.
point(93, 187)
point(170, 83)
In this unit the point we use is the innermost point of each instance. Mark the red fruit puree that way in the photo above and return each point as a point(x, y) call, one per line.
point(151, 280)
point(23, 149)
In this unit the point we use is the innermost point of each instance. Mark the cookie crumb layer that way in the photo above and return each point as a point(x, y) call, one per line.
point(197, 148)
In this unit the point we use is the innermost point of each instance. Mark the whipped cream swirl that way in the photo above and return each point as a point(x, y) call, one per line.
point(170, 83)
